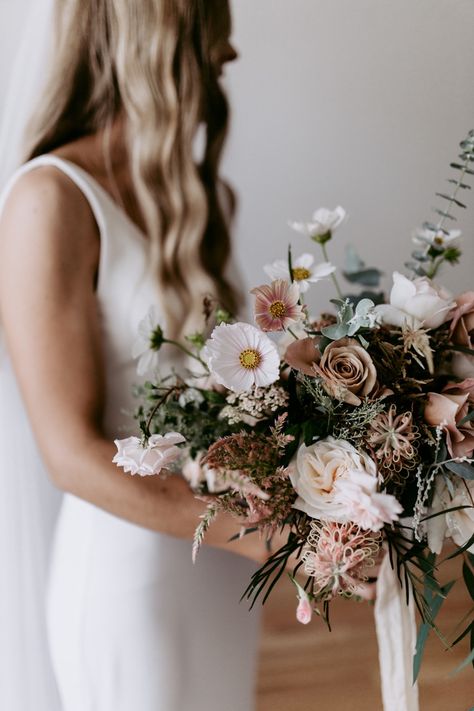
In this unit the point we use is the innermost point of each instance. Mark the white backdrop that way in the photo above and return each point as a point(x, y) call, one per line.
point(354, 102)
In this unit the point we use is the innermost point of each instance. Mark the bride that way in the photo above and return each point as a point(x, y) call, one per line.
point(109, 213)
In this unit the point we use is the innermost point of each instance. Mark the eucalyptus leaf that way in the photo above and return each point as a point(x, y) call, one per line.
point(356, 271)
point(434, 602)
point(366, 277)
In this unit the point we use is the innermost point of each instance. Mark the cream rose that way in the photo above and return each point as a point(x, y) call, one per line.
point(336, 482)
point(418, 303)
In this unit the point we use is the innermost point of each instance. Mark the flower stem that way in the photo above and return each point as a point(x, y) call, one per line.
point(333, 276)
point(185, 350)
point(160, 402)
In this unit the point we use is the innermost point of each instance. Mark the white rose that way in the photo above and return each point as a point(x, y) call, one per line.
point(418, 303)
point(159, 453)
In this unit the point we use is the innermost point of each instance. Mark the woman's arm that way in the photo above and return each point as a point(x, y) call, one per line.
point(49, 252)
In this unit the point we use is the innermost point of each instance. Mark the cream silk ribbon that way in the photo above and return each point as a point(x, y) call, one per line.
point(396, 634)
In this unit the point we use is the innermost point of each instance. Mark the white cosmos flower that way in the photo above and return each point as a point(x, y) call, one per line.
point(241, 356)
point(439, 239)
point(148, 343)
point(159, 453)
point(305, 272)
point(324, 221)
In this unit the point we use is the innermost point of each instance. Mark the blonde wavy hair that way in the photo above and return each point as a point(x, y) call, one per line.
point(151, 62)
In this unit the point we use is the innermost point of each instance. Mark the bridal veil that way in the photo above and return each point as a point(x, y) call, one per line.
point(28, 502)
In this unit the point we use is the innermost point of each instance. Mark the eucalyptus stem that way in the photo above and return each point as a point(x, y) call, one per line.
point(333, 276)
point(443, 218)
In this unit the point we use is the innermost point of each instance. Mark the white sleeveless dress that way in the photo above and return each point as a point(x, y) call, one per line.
point(132, 625)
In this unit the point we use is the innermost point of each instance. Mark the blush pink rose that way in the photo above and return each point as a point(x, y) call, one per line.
point(462, 334)
point(448, 409)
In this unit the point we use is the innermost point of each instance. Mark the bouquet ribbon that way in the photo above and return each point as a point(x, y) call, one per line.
point(396, 635)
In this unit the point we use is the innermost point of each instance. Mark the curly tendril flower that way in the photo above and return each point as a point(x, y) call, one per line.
point(391, 435)
point(339, 557)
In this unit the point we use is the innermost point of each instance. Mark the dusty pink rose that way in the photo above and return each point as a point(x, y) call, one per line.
point(345, 368)
point(448, 410)
point(347, 371)
point(462, 334)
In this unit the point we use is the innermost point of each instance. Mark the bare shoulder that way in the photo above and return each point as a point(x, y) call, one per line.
point(45, 211)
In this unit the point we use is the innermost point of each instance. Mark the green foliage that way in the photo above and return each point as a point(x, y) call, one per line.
point(171, 406)
point(428, 261)
point(356, 271)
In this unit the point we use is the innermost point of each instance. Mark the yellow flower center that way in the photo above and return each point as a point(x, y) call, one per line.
point(250, 359)
point(277, 309)
point(439, 241)
point(300, 273)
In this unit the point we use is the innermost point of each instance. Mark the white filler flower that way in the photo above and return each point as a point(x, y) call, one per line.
point(159, 453)
point(304, 271)
point(240, 357)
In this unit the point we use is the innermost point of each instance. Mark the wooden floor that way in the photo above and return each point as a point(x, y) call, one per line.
point(307, 668)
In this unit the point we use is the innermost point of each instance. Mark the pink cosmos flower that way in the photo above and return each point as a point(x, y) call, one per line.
point(276, 305)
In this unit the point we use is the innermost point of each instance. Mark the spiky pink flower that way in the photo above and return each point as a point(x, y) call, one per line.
point(339, 557)
point(276, 305)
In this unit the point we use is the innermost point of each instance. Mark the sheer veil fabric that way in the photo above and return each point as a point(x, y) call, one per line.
point(28, 502)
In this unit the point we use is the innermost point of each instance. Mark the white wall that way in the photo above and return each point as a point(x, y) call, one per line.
point(354, 102)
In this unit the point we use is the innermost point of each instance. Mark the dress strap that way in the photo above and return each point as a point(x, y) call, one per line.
point(78, 176)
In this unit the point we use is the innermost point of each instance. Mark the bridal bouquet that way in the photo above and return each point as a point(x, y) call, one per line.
point(353, 431)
